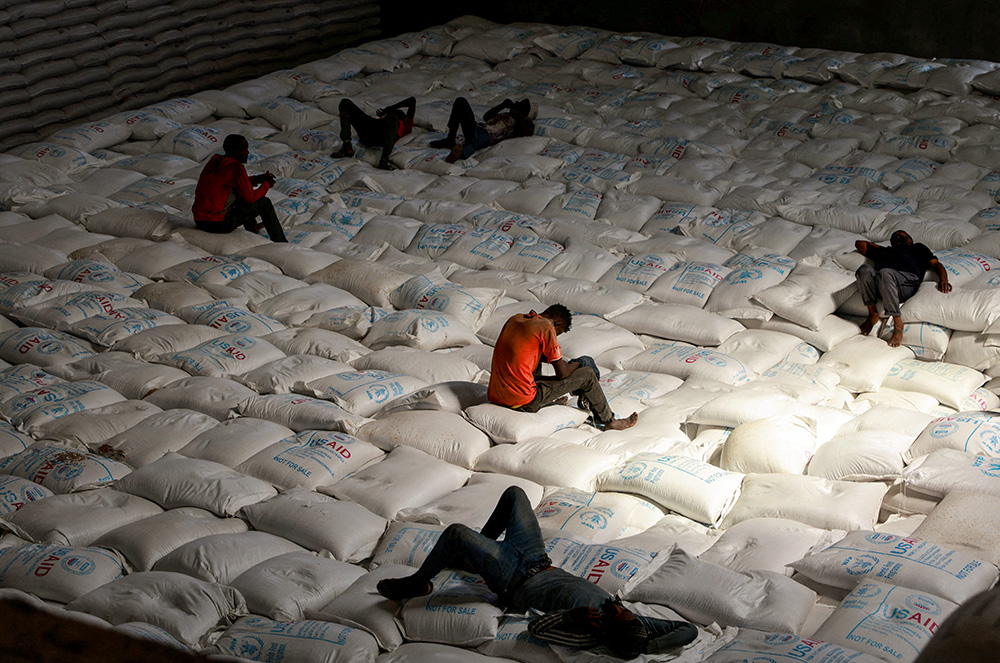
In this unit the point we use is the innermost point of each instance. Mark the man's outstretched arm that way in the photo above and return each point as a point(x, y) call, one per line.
point(942, 273)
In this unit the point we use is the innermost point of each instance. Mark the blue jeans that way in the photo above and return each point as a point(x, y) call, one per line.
point(518, 566)
point(502, 564)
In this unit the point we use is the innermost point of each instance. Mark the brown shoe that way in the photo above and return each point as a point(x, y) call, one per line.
point(455, 154)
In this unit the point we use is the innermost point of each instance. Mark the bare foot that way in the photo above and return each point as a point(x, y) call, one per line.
point(897, 337)
point(564, 400)
point(455, 154)
point(622, 424)
point(869, 324)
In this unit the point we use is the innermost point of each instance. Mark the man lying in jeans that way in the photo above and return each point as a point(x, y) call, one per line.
point(524, 342)
point(578, 613)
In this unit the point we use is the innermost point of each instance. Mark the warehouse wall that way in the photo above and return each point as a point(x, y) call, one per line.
point(922, 28)
point(63, 61)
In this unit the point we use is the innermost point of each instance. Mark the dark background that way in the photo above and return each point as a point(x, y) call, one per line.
point(942, 29)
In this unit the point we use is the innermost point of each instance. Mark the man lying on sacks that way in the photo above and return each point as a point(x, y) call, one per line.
point(508, 119)
point(894, 275)
point(576, 612)
point(226, 197)
point(524, 342)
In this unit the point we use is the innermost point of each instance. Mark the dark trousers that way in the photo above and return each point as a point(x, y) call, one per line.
point(502, 564)
point(462, 117)
point(372, 131)
point(582, 382)
point(242, 213)
point(891, 286)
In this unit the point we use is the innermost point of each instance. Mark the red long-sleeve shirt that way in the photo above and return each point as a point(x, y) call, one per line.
point(221, 176)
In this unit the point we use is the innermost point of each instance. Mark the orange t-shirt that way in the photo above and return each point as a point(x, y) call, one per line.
point(523, 342)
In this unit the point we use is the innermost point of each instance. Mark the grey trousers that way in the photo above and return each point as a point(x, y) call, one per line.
point(582, 382)
point(891, 286)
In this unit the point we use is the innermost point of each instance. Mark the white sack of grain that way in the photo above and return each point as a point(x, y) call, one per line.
point(63, 470)
point(503, 424)
point(706, 593)
point(863, 456)
point(41, 347)
point(945, 470)
point(972, 432)
point(145, 541)
point(750, 644)
point(421, 330)
point(783, 443)
point(15, 492)
point(814, 501)
point(212, 396)
point(40, 406)
point(91, 428)
point(361, 392)
point(343, 530)
point(890, 622)
point(684, 361)
point(594, 517)
point(897, 560)
point(310, 459)
point(471, 504)
point(176, 481)
point(950, 384)
point(59, 573)
point(283, 587)
point(279, 376)
point(765, 544)
point(685, 485)
point(416, 478)
point(445, 435)
point(677, 322)
point(77, 519)
point(222, 557)
point(189, 609)
point(370, 282)
point(161, 433)
point(863, 362)
point(320, 342)
point(300, 412)
point(233, 354)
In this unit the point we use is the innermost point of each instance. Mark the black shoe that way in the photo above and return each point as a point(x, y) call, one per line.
point(398, 589)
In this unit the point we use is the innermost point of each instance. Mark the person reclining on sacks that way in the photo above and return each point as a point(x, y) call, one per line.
point(508, 119)
point(576, 612)
point(227, 198)
point(524, 342)
point(383, 131)
point(894, 277)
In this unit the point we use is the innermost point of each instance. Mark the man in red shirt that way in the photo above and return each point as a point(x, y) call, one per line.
point(226, 197)
point(527, 340)
point(382, 131)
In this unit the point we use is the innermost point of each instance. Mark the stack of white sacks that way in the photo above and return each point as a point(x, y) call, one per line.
point(223, 443)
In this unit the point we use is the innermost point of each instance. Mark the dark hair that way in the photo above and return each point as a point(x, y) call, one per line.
point(232, 143)
point(559, 312)
point(521, 107)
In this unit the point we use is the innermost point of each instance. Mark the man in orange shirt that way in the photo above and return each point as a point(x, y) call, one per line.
point(226, 197)
point(527, 340)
